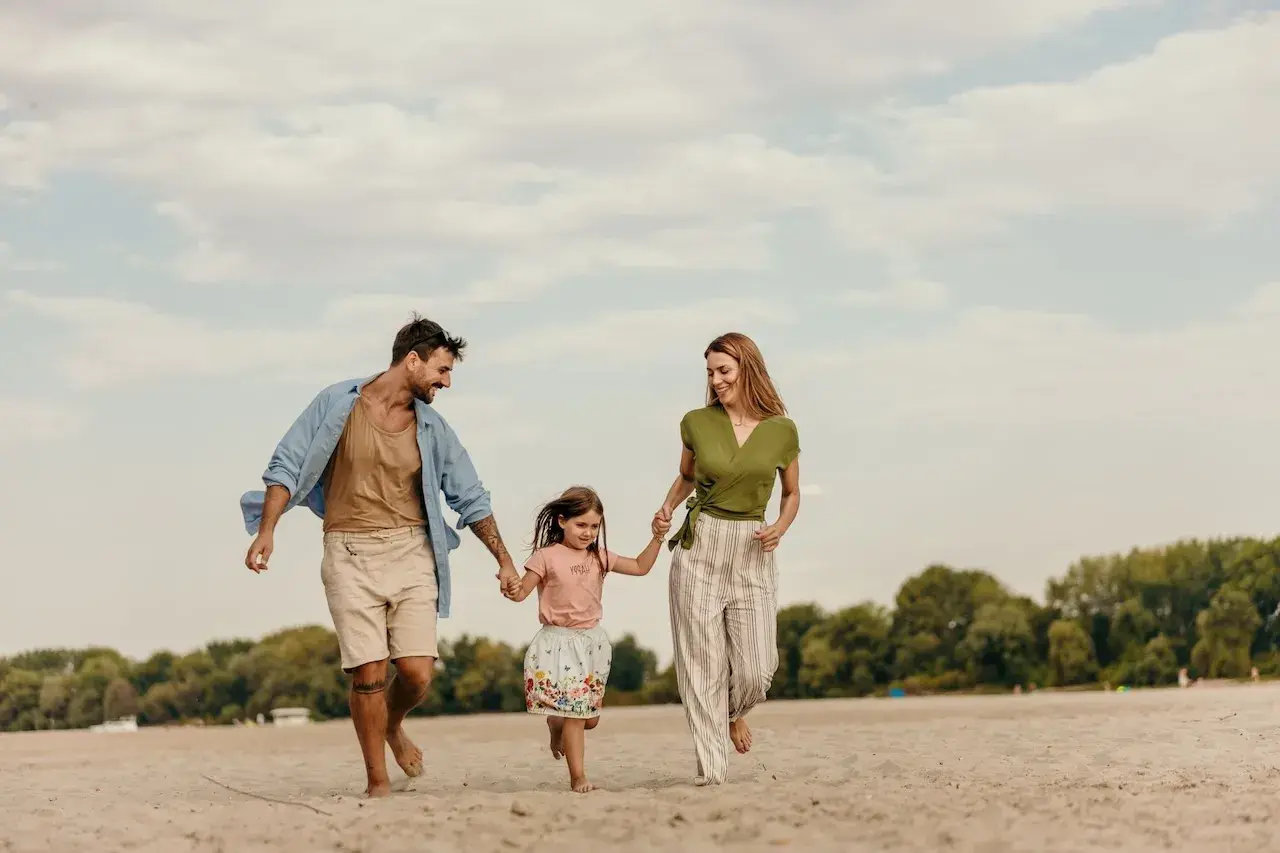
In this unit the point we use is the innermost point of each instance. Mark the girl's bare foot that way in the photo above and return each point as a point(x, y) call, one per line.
point(556, 727)
point(740, 734)
point(580, 785)
point(382, 789)
point(407, 753)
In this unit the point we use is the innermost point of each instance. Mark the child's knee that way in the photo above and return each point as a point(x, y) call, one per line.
point(592, 723)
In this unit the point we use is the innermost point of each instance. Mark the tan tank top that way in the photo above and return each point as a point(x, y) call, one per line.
point(374, 478)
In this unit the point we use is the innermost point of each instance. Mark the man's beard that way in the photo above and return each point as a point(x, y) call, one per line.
point(424, 394)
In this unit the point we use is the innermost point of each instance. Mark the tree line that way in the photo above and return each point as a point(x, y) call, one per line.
point(1134, 619)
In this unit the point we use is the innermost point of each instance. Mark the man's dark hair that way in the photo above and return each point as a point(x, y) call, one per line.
point(424, 337)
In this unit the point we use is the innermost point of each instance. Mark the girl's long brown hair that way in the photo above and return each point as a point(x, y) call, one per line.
point(760, 398)
point(573, 502)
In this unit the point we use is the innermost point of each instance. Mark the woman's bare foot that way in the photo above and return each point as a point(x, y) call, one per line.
point(580, 785)
point(382, 789)
point(740, 734)
point(407, 754)
point(556, 726)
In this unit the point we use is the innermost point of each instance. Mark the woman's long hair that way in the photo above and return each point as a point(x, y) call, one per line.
point(760, 399)
point(575, 501)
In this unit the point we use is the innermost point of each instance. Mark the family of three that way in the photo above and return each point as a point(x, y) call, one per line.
point(371, 457)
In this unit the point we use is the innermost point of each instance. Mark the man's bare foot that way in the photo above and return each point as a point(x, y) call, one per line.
point(740, 734)
point(382, 789)
point(556, 727)
point(581, 785)
point(407, 754)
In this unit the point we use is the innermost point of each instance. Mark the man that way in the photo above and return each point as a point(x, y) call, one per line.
point(371, 457)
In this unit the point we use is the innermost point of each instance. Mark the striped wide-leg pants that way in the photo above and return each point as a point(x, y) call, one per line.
point(724, 608)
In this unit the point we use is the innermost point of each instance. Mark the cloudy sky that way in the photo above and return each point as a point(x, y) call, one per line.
point(1007, 261)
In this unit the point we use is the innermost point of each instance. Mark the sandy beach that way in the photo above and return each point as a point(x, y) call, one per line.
point(1148, 770)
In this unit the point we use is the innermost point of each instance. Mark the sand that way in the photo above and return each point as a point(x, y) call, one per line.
point(1194, 769)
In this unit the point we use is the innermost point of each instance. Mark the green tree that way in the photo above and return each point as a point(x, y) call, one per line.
point(222, 651)
point(1255, 569)
point(1158, 664)
point(999, 647)
point(119, 700)
point(794, 624)
point(55, 700)
point(1226, 631)
point(154, 670)
point(933, 615)
point(20, 700)
point(96, 672)
point(478, 674)
point(1132, 624)
point(44, 660)
point(1071, 654)
point(161, 704)
point(632, 666)
point(847, 654)
point(662, 689)
point(85, 709)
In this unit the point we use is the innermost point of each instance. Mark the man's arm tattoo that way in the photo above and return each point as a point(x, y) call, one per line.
point(486, 529)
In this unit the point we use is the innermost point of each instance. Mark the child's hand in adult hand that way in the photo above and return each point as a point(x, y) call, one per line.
point(661, 521)
point(508, 580)
point(661, 526)
point(768, 536)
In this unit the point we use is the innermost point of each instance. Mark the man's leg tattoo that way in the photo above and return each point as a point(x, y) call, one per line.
point(369, 686)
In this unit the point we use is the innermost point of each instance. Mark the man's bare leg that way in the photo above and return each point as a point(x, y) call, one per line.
point(575, 748)
point(369, 715)
point(408, 689)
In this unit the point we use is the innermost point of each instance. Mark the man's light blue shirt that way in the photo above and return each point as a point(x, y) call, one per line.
point(300, 459)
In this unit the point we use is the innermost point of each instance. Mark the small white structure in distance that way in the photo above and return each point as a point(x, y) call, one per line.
point(290, 716)
point(124, 724)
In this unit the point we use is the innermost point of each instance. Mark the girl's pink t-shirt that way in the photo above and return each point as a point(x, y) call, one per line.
point(569, 594)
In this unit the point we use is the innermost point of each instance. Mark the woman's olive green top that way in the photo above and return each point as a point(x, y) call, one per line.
point(733, 481)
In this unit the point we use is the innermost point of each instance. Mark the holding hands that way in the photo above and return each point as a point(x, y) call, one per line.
point(661, 522)
point(508, 580)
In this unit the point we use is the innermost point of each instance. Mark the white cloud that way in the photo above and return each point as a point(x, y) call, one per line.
point(10, 261)
point(1181, 133)
point(114, 342)
point(24, 420)
point(911, 295)
point(1005, 367)
point(606, 135)
point(638, 335)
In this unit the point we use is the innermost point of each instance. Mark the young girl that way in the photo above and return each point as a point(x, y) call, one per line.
point(567, 665)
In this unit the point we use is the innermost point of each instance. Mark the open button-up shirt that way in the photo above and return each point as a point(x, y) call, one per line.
point(299, 461)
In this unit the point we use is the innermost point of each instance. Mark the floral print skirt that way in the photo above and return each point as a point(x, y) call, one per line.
point(565, 671)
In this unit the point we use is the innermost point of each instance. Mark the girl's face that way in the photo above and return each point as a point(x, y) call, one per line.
point(581, 530)
point(722, 373)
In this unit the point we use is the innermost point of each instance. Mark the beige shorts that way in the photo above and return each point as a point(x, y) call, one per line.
point(382, 593)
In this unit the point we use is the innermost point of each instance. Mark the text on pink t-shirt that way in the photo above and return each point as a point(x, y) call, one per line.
point(569, 594)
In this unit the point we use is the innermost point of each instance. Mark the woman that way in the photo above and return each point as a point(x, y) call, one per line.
point(723, 579)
